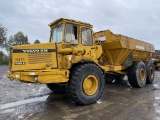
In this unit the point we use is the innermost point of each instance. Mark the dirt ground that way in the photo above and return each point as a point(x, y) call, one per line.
point(23, 101)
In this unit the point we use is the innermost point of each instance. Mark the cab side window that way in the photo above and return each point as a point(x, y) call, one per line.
point(87, 37)
point(71, 32)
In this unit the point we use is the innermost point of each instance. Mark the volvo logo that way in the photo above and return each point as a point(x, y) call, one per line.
point(33, 50)
point(36, 50)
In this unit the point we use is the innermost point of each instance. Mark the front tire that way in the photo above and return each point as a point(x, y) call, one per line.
point(137, 74)
point(86, 83)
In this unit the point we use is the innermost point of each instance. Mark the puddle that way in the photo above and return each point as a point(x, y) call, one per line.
point(22, 102)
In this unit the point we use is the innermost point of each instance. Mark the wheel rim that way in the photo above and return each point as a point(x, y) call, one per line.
point(90, 85)
point(142, 74)
point(151, 72)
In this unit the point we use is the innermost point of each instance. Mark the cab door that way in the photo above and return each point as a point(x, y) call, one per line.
point(87, 42)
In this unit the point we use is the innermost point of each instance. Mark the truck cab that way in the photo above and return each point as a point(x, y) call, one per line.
point(74, 41)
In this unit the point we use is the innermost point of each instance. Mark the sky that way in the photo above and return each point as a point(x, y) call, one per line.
point(138, 19)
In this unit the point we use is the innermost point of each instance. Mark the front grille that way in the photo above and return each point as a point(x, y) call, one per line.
point(34, 58)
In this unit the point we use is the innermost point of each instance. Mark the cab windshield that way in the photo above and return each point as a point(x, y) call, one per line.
point(56, 35)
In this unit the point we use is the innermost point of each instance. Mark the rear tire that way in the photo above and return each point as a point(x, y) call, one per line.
point(137, 74)
point(56, 88)
point(150, 72)
point(86, 84)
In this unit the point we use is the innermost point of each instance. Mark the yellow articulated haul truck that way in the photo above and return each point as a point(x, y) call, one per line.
point(79, 61)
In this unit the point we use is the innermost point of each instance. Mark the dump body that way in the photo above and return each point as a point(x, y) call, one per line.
point(122, 50)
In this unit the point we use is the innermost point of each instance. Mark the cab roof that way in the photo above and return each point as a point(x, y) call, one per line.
point(69, 20)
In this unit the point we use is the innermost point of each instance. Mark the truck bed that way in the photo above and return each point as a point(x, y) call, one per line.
point(121, 50)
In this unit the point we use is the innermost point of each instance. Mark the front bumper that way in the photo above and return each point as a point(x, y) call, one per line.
point(40, 76)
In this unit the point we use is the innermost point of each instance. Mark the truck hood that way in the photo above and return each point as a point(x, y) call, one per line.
point(33, 56)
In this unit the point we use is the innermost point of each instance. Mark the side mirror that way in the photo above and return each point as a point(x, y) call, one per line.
point(73, 42)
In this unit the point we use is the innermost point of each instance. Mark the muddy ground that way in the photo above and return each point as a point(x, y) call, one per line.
point(119, 102)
